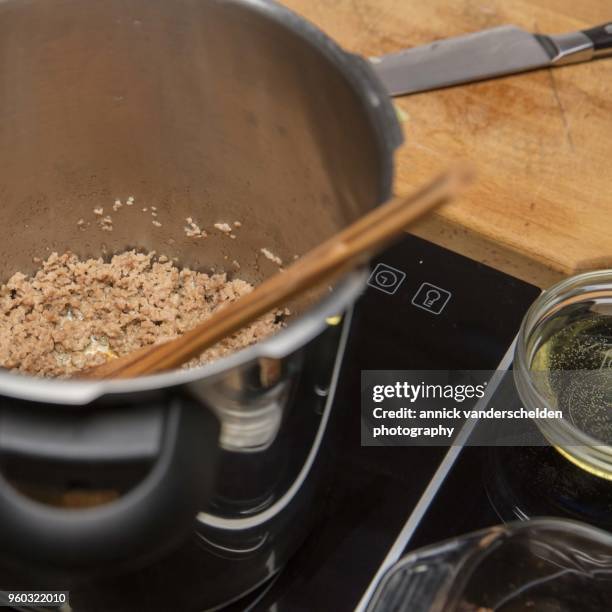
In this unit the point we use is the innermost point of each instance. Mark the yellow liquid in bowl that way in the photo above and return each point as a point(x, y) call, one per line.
point(573, 370)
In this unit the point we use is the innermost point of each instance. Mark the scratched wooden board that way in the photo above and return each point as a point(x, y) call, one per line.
point(542, 141)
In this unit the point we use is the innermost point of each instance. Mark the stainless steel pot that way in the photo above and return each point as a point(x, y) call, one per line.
point(211, 109)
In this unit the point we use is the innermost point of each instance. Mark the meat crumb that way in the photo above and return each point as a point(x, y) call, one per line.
point(106, 224)
point(226, 228)
point(73, 314)
point(272, 257)
point(192, 230)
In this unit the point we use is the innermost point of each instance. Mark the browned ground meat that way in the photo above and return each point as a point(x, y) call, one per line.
point(75, 314)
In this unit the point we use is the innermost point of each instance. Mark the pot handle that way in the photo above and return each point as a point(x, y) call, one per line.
point(140, 525)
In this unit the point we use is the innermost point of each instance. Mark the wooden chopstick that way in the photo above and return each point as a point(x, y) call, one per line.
point(343, 251)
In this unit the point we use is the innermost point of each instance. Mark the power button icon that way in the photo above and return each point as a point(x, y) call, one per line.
point(386, 278)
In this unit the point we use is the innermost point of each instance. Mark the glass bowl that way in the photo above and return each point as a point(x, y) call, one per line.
point(563, 362)
point(542, 565)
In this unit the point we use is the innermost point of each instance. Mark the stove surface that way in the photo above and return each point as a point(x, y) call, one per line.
point(382, 501)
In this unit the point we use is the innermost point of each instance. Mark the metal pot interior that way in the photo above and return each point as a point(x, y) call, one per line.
point(219, 111)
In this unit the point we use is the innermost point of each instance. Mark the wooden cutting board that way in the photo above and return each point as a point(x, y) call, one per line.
point(542, 141)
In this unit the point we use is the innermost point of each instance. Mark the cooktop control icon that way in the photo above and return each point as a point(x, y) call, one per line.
point(431, 298)
point(386, 279)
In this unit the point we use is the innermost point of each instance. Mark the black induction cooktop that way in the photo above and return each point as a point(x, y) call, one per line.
point(384, 501)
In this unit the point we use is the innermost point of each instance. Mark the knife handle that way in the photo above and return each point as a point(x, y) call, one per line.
point(601, 37)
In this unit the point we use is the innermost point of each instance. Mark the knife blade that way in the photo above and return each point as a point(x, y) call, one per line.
point(490, 53)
